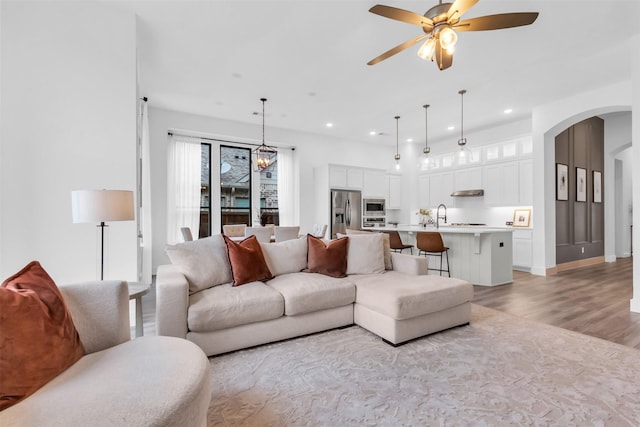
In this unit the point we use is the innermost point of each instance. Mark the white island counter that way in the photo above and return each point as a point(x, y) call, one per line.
point(480, 255)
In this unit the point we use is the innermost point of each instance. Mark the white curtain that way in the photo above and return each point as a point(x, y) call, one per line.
point(144, 196)
point(183, 184)
point(286, 189)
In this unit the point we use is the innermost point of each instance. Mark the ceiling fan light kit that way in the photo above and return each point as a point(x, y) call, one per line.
point(440, 24)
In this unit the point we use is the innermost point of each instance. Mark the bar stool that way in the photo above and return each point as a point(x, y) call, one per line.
point(395, 242)
point(430, 243)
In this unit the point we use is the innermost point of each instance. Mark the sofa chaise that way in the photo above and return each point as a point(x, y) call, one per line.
point(389, 294)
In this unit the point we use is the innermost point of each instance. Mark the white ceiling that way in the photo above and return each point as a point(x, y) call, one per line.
point(218, 58)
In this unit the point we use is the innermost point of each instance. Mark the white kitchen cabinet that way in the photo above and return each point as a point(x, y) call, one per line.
point(440, 189)
point(394, 184)
point(375, 184)
point(424, 201)
point(501, 184)
point(344, 177)
point(526, 182)
point(354, 178)
point(522, 250)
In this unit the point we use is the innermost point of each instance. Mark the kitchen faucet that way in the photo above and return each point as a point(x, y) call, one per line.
point(441, 205)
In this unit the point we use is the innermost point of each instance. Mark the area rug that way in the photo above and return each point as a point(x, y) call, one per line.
point(499, 370)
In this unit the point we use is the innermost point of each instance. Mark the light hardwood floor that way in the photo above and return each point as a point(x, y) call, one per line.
point(591, 300)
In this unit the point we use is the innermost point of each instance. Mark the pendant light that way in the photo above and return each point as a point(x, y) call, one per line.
point(462, 142)
point(397, 157)
point(264, 153)
point(426, 150)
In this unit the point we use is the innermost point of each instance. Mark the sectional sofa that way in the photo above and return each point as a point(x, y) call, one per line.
point(390, 294)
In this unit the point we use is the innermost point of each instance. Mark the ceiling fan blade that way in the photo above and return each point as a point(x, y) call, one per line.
point(458, 8)
point(402, 15)
point(395, 50)
point(444, 59)
point(497, 22)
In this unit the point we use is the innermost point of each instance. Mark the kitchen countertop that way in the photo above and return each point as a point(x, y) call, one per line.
point(476, 229)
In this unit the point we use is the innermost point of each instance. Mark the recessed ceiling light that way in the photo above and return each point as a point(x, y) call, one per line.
point(508, 111)
point(409, 139)
point(451, 128)
point(329, 125)
point(373, 132)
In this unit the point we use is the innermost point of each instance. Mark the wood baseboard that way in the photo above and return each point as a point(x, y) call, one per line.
point(580, 263)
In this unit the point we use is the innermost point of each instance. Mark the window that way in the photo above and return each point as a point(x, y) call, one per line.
point(235, 185)
point(205, 190)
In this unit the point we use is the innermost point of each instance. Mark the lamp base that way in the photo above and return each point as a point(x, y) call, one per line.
point(102, 245)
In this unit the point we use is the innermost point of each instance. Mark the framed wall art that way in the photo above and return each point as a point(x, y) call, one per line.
point(521, 217)
point(597, 187)
point(581, 185)
point(562, 182)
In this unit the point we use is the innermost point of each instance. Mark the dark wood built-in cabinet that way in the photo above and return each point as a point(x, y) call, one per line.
point(580, 224)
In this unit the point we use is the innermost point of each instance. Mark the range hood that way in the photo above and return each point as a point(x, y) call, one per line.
point(467, 193)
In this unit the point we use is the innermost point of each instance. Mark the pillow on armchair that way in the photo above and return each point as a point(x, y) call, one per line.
point(37, 335)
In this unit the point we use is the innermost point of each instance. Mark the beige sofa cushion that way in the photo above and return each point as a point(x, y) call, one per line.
point(308, 292)
point(285, 257)
point(204, 262)
point(225, 306)
point(401, 296)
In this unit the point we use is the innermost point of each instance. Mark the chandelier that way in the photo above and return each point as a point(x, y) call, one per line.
point(264, 153)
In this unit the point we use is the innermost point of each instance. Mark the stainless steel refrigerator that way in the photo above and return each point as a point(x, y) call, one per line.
point(346, 211)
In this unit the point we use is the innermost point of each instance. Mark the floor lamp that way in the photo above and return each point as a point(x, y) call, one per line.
point(101, 206)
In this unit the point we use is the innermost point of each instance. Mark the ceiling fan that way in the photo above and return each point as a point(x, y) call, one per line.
point(439, 23)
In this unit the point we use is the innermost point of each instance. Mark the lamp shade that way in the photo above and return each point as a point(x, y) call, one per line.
point(101, 205)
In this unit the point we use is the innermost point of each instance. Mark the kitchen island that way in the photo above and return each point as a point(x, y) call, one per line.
point(480, 255)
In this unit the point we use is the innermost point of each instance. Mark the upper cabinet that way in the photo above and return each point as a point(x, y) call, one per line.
point(394, 185)
point(501, 184)
point(344, 177)
point(440, 188)
point(375, 184)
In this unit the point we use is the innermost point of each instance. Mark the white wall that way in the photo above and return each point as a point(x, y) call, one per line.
point(68, 122)
point(617, 138)
point(311, 151)
point(624, 202)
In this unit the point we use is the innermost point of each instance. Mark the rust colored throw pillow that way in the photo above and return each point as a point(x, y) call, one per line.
point(247, 261)
point(38, 340)
point(328, 259)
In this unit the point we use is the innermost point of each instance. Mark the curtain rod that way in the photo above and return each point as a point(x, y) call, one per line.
point(222, 140)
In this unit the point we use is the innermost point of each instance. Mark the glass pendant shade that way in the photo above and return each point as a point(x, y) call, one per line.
point(427, 50)
point(448, 39)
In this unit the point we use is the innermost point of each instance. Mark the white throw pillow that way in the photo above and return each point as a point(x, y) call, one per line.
point(365, 254)
point(204, 262)
point(289, 256)
point(386, 244)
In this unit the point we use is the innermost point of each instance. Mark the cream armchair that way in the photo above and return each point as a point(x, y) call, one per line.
point(119, 381)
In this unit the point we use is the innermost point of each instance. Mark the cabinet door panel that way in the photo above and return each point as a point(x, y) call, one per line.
point(395, 192)
point(337, 177)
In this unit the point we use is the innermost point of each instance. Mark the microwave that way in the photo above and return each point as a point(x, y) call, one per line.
point(373, 207)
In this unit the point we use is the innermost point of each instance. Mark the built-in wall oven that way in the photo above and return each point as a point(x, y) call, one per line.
point(373, 207)
point(373, 221)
